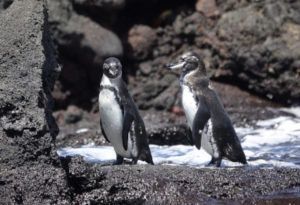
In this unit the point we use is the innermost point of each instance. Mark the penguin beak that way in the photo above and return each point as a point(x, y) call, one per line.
point(113, 72)
point(175, 66)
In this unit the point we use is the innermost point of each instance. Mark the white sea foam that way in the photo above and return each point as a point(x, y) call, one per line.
point(274, 143)
point(90, 153)
point(82, 130)
point(293, 110)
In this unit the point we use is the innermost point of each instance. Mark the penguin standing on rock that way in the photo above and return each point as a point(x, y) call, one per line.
point(120, 121)
point(209, 122)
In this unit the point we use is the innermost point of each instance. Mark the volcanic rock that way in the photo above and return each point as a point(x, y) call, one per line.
point(83, 45)
point(101, 4)
point(141, 40)
point(259, 46)
point(28, 70)
point(147, 184)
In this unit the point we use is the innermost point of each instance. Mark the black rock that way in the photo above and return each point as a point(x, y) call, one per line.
point(4, 4)
point(82, 46)
point(28, 70)
point(258, 43)
point(92, 5)
point(147, 184)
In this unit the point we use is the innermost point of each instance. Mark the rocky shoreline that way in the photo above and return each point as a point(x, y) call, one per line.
point(147, 184)
point(31, 171)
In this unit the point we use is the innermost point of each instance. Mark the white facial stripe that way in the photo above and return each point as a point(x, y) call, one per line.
point(111, 72)
point(185, 77)
point(177, 66)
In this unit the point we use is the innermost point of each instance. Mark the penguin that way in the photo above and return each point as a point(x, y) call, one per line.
point(120, 121)
point(210, 124)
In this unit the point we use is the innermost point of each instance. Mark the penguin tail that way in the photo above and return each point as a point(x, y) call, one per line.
point(242, 159)
point(235, 154)
point(238, 158)
point(149, 159)
point(146, 156)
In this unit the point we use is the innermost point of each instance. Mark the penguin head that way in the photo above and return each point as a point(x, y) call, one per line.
point(190, 53)
point(112, 67)
point(188, 62)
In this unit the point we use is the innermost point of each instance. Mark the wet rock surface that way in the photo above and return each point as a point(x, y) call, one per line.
point(146, 184)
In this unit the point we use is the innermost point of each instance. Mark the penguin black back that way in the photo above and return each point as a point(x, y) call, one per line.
point(223, 131)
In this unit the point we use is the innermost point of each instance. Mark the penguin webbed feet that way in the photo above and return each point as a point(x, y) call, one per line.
point(134, 161)
point(215, 162)
point(151, 162)
point(119, 160)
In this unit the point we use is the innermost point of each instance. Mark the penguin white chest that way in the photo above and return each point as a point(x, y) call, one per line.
point(189, 104)
point(190, 109)
point(111, 115)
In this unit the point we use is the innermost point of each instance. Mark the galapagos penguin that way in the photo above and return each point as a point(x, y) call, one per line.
point(120, 121)
point(209, 122)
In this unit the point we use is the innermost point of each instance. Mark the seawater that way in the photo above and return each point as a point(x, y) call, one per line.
point(270, 143)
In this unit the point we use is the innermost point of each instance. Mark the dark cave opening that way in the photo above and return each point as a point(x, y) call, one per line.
point(78, 84)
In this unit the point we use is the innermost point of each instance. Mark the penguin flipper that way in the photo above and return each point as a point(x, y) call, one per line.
point(127, 123)
point(102, 130)
point(190, 137)
point(201, 118)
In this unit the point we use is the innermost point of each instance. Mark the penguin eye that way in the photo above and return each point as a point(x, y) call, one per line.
point(105, 66)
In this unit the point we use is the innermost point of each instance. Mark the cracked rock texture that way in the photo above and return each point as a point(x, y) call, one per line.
point(246, 45)
point(250, 44)
point(29, 171)
point(147, 184)
point(259, 46)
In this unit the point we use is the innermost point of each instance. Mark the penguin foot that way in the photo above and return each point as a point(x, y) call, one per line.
point(134, 161)
point(215, 162)
point(149, 159)
point(119, 160)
